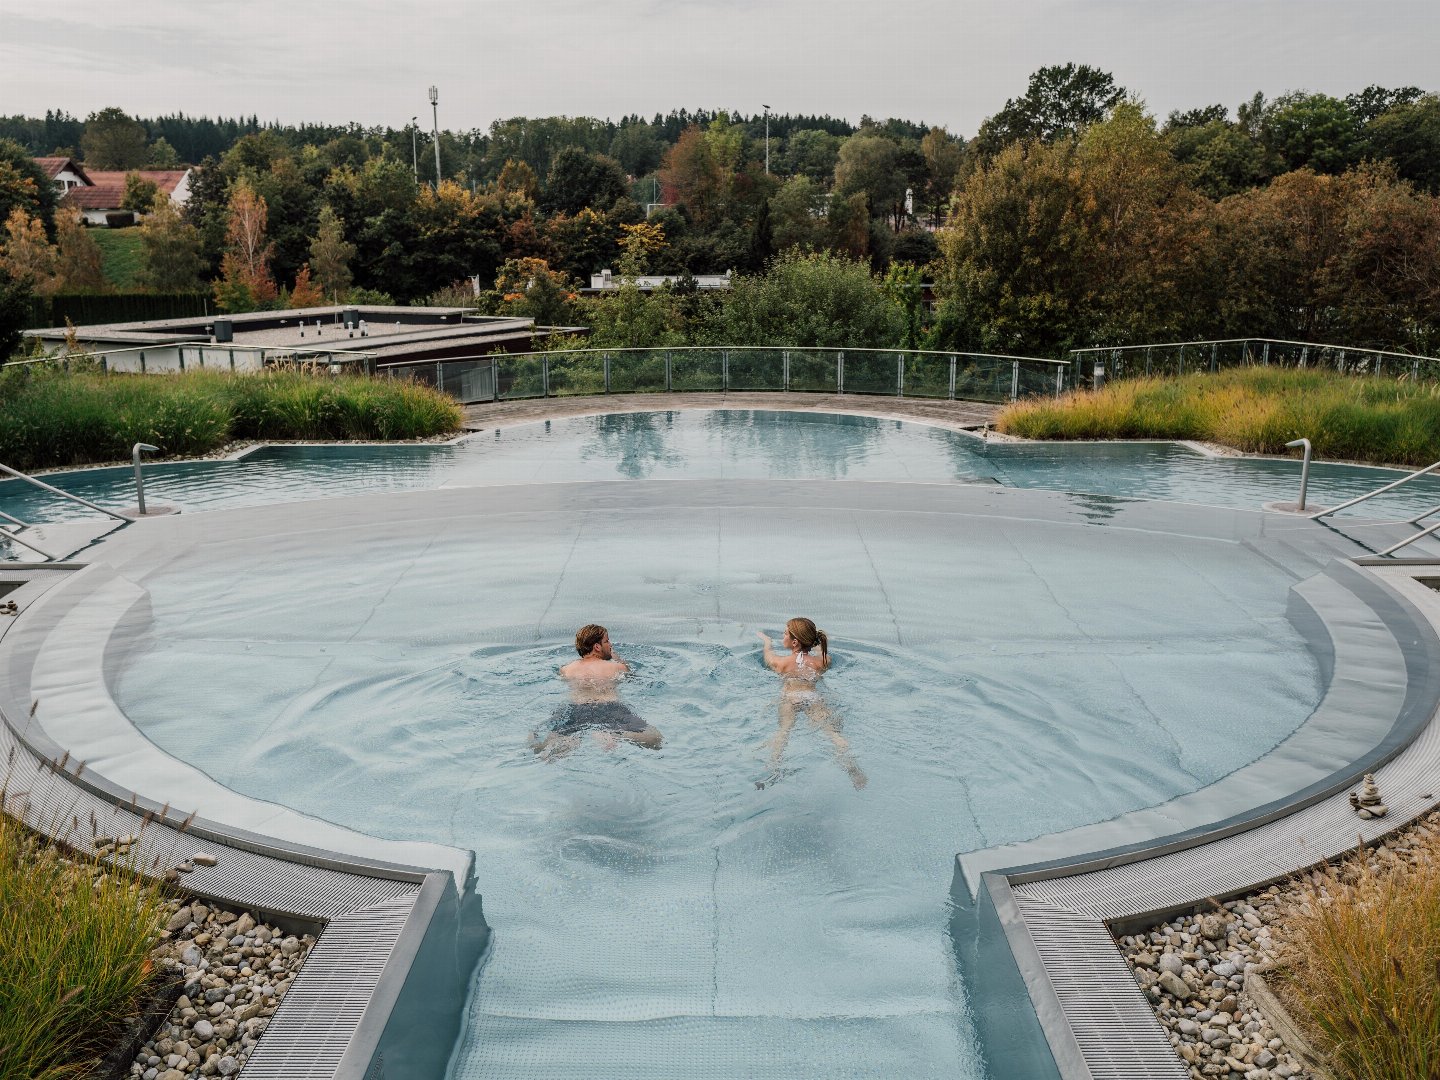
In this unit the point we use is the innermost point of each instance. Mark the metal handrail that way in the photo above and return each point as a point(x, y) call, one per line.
point(63, 494)
point(1378, 491)
point(546, 353)
point(1257, 340)
point(1409, 540)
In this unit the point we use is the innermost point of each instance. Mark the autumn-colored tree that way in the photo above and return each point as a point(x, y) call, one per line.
point(24, 186)
point(245, 281)
point(519, 178)
point(531, 289)
point(26, 256)
point(330, 255)
point(638, 243)
point(170, 246)
point(694, 177)
point(306, 293)
point(79, 262)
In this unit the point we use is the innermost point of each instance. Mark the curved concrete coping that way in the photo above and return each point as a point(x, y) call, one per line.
point(94, 612)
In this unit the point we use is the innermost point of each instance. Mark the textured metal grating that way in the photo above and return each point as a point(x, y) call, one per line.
point(312, 1029)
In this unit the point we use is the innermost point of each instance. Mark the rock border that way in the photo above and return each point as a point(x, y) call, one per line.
point(1204, 973)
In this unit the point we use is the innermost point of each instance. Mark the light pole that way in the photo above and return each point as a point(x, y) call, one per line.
point(415, 147)
point(435, 109)
point(767, 138)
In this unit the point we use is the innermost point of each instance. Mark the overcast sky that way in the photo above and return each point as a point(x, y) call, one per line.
point(948, 63)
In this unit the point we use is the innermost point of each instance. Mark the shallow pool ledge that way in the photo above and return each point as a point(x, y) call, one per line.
point(1044, 927)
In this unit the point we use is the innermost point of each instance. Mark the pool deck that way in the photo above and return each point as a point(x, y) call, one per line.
point(956, 415)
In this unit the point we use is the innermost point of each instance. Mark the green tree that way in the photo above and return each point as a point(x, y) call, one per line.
point(578, 179)
point(1060, 102)
point(797, 214)
point(16, 298)
point(162, 155)
point(170, 249)
point(24, 186)
point(1313, 131)
point(902, 286)
point(869, 164)
point(944, 155)
point(330, 255)
point(1222, 159)
point(114, 140)
point(139, 193)
point(809, 300)
point(637, 149)
point(1374, 101)
point(696, 177)
point(1408, 134)
point(812, 153)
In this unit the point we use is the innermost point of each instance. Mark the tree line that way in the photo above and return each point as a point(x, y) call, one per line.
point(1072, 217)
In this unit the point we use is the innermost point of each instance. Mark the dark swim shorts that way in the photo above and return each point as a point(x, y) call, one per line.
point(595, 716)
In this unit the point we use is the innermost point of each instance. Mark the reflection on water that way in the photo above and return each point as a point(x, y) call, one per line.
point(723, 444)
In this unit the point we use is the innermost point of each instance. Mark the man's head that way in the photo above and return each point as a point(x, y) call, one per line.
point(587, 638)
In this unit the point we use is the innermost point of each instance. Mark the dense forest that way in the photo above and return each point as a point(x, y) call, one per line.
point(1072, 217)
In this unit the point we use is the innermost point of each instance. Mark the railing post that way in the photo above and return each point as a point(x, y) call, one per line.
point(1304, 470)
point(725, 370)
point(1059, 381)
point(142, 363)
point(545, 375)
point(1148, 349)
point(135, 452)
point(840, 373)
point(952, 376)
point(900, 375)
point(1415, 370)
point(785, 370)
point(605, 361)
point(1304, 355)
point(494, 378)
point(1265, 356)
point(1214, 357)
point(1180, 369)
point(1014, 380)
point(439, 375)
point(667, 371)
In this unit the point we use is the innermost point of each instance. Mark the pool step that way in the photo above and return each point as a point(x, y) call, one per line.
point(58, 540)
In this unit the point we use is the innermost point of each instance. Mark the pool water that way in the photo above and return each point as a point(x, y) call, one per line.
point(720, 444)
point(657, 914)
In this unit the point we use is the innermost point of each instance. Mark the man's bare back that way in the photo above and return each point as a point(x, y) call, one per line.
point(595, 704)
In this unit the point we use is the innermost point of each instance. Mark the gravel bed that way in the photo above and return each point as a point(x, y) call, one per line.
point(236, 972)
point(1193, 969)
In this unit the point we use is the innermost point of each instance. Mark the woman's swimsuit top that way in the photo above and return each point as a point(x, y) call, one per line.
point(804, 669)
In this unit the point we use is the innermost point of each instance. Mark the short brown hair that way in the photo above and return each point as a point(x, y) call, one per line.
point(588, 636)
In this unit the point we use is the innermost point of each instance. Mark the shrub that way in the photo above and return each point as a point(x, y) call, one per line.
point(49, 418)
point(1254, 409)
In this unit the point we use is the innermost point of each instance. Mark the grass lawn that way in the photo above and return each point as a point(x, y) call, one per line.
point(1348, 418)
point(123, 259)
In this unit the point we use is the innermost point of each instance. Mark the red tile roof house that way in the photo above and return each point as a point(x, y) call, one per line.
point(102, 196)
point(64, 172)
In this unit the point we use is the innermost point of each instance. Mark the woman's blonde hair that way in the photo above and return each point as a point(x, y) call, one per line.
point(807, 636)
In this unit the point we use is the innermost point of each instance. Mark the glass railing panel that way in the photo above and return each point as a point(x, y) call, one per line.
point(637, 371)
point(576, 373)
point(872, 372)
point(926, 376)
point(813, 370)
point(1036, 380)
point(697, 369)
point(468, 380)
point(757, 369)
point(518, 378)
point(982, 378)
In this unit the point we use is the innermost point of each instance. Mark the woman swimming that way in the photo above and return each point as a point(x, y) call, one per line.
point(799, 672)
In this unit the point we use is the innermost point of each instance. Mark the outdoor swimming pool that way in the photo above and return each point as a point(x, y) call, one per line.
point(1009, 664)
point(718, 443)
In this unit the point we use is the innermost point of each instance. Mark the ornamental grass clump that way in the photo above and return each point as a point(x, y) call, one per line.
point(1362, 965)
point(75, 941)
point(1345, 417)
point(49, 417)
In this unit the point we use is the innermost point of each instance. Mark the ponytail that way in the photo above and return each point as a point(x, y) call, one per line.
point(807, 635)
point(824, 647)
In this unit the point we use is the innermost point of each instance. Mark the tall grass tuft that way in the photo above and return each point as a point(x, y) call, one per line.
point(1256, 409)
point(75, 939)
point(1363, 966)
point(52, 418)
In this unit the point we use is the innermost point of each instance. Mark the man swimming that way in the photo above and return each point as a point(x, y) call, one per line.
point(595, 704)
